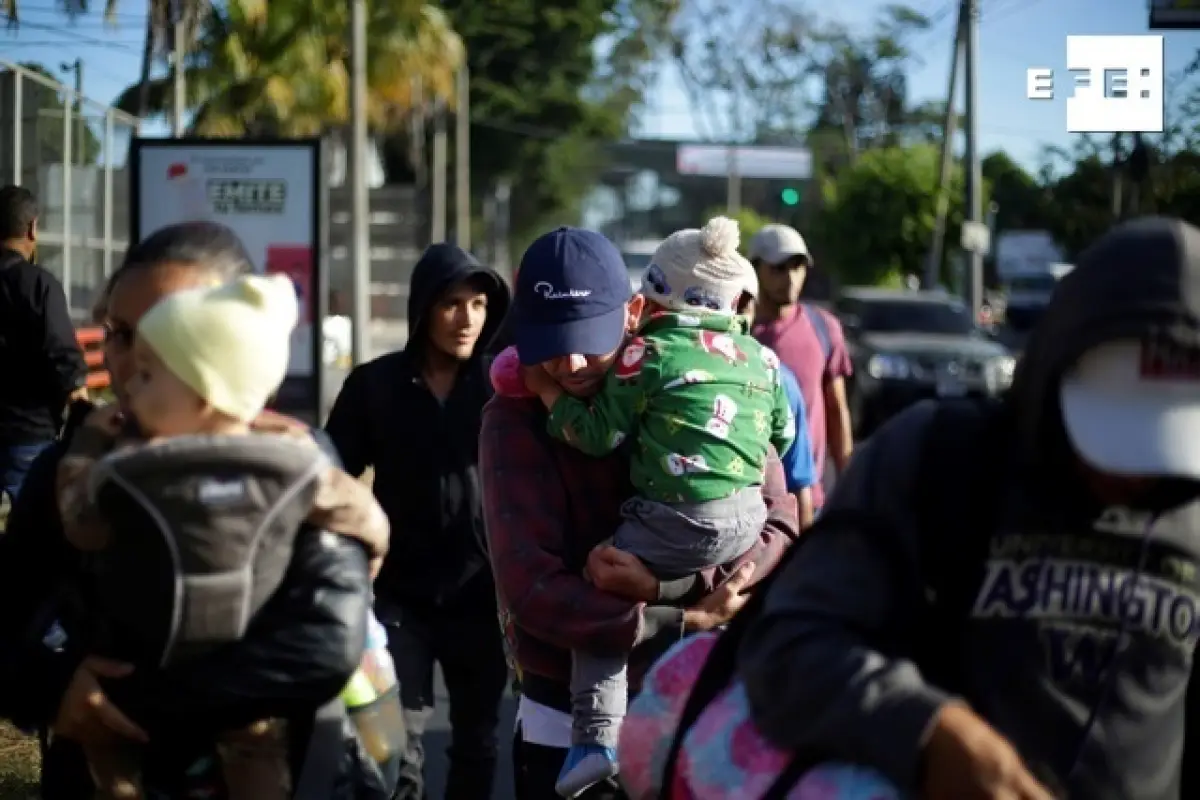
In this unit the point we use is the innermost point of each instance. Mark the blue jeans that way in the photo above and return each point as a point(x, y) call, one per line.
point(15, 461)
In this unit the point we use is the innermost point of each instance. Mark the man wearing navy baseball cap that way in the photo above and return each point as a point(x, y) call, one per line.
point(575, 297)
point(549, 509)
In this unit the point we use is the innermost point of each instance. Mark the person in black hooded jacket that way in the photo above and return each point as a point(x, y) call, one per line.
point(414, 416)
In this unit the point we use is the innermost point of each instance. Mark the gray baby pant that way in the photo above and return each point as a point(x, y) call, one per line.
point(674, 540)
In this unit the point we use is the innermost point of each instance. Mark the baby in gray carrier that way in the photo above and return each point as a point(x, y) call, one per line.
point(190, 525)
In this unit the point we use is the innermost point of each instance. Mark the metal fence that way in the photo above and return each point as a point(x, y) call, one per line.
point(71, 152)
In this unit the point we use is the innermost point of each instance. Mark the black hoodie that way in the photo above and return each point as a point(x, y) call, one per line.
point(1037, 652)
point(425, 452)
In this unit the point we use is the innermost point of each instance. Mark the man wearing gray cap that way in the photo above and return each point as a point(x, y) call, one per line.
point(808, 340)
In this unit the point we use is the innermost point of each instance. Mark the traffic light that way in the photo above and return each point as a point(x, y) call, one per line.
point(790, 197)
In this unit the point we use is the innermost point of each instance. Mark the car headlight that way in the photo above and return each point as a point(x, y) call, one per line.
point(882, 366)
point(1000, 371)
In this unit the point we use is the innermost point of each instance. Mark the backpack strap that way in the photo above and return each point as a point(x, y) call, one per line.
point(77, 413)
point(950, 489)
point(820, 327)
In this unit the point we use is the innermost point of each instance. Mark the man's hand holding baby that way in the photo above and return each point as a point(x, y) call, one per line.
point(621, 573)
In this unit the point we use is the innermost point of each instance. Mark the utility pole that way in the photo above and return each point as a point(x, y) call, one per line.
point(76, 67)
point(179, 49)
point(360, 242)
point(462, 160)
point(437, 228)
point(974, 166)
point(416, 135)
point(733, 185)
point(934, 265)
point(1139, 173)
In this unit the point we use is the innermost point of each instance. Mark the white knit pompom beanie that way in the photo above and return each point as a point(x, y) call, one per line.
point(699, 270)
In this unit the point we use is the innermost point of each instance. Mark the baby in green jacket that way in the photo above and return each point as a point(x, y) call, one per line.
point(702, 402)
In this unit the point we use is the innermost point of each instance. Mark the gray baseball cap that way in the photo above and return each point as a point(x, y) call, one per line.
point(775, 244)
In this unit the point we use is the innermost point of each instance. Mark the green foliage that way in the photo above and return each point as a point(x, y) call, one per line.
point(1073, 194)
point(878, 215)
point(543, 103)
point(865, 79)
point(286, 72)
point(1022, 203)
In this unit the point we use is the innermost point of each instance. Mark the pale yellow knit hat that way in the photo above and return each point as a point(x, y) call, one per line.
point(228, 343)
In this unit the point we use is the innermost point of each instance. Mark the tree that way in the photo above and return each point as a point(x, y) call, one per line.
point(50, 126)
point(775, 73)
point(745, 69)
point(286, 73)
point(542, 105)
point(864, 83)
point(926, 122)
point(1021, 202)
point(878, 215)
point(158, 41)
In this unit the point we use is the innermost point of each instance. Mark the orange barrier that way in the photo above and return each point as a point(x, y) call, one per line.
point(91, 342)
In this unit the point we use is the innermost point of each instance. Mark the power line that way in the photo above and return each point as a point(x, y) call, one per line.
point(936, 18)
point(1006, 11)
point(66, 31)
point(45, 12)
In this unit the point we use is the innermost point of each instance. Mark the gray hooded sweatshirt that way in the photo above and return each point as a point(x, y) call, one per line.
point(1079, 644)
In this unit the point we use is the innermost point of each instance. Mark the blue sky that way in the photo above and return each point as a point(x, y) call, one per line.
point(1013, 35)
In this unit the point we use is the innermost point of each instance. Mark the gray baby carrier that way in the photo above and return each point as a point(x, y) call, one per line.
point(201, 533)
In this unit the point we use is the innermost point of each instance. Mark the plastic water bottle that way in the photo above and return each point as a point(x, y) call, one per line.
point(377, 660)
point(372, 698)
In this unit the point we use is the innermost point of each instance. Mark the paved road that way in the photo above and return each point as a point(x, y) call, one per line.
point(438, 738)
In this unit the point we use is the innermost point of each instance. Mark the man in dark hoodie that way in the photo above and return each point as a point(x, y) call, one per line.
point(1063, 669)
point(414, 416)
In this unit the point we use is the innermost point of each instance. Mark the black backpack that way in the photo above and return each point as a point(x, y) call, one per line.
point(962, 471)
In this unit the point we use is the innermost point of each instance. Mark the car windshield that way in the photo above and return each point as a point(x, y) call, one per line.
point(909, 316)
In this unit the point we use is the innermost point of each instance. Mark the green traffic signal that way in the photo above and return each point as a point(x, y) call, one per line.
point(790, 197)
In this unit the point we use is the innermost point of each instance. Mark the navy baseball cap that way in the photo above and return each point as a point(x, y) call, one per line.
point(572, 289)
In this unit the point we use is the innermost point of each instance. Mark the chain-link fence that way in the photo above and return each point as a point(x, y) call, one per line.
point(70, 152)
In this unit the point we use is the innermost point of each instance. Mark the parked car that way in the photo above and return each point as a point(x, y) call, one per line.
point(907, 346)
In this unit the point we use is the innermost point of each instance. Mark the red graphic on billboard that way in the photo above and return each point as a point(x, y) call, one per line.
point(295, 261)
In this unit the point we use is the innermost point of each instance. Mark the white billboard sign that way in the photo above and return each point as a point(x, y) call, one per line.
point(265, 192)
point(749, 161)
